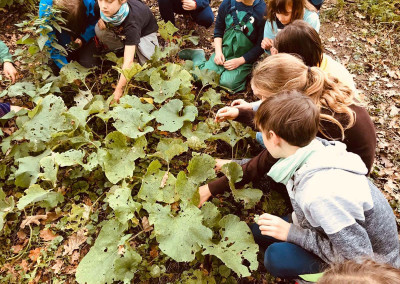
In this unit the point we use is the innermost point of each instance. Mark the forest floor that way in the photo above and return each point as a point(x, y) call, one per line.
point(368, 49)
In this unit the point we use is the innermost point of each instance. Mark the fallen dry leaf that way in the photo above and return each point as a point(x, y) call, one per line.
point(17, 248)
point(146, 224)
point(32, 220)
point(75, 241)
point(75, 257)
point(47, 235)
point(164, 180)
point(21, 235)
point(34, 254)
point(57, 266)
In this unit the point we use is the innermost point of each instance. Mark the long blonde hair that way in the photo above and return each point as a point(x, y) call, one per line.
point(283, 72)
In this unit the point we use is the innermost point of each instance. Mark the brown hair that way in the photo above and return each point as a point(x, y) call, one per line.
point(302, 39)
point(368, 271)
point(279, 6)
point(291, 115)
point(283, 71)
point(74, 13)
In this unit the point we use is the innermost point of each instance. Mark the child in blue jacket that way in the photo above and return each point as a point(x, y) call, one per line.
point(80, 20)
point(199, 10)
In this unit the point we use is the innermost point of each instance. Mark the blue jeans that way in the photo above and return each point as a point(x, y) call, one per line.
point(286, 260)
point(203, 17)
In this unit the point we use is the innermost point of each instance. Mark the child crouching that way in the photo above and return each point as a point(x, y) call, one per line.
point(127, 25)
point(338, 213)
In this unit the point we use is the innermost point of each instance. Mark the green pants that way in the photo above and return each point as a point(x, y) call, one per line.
point(231, 79)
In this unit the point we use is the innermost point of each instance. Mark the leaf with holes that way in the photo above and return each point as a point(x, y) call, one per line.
point(44, 198)
point(29, 169)
point(7, 205)
point(201, 168)
point(236, 240)
point(250, 196)
point(196, 138)
point(168, 148)
point(120, 200)
point(47, 119)
point(98, 265)
point(180, 236)
point(212, 98)
point(125, 266)
point(155, 187)
point(118, 159)
point(169, 115)
point(131, 121)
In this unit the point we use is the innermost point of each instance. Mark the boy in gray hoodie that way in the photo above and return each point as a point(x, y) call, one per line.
point(338, 213)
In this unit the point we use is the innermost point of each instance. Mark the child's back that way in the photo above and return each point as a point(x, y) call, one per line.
point(340, 213)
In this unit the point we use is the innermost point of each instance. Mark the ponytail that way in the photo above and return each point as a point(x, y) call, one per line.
point(285, 72)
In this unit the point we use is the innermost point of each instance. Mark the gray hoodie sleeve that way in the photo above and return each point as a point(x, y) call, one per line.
point(349, 243)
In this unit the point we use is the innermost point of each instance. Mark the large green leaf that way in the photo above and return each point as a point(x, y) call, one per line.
point(158, 185)
point(125, 266)
point(28, 169)
point(236, 245)
point(118, 159)
point(120, 200)
point(170, 118)
point(131, 121)
point(44, 198)
point(211, 215)
point(168, 148)
point(234, 173)
point(187, 190)
point(46, 120)
point(135, 102)
point(180, 236)
point(167, 30)
point(196, 138)
point(73, 71)
point(6, 206)
point(201, 168)
point(163, 89)
point(98, 266)
point(212, 98)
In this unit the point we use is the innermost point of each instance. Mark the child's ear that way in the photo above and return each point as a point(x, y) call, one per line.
point(275, 138)
point(123, 1)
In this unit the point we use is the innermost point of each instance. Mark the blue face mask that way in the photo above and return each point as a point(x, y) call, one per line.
point(118, 17)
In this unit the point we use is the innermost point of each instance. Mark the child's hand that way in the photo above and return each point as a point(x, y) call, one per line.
point(205, 194)
point(219, 58)
point(79, 42)
point(226, 113)
point(234, 63)
point(102, 25)
point(117, 95)
point(219, 163)
point(10, 71)
point(189, 5)
point(242, 104)
point(273, 226)
point(267, 43)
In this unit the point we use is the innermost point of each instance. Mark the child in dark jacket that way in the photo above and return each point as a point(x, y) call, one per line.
point(199, 10)
point(127, 25)
point(80, 20)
